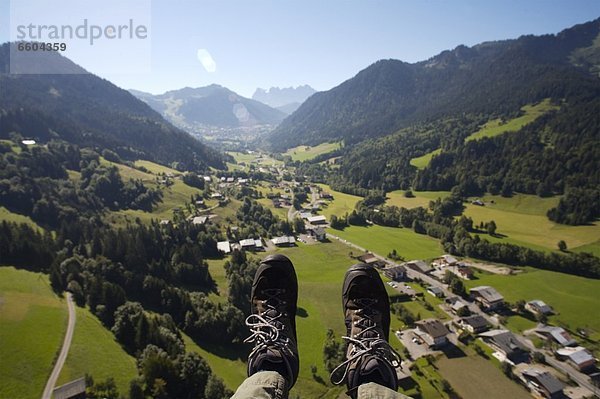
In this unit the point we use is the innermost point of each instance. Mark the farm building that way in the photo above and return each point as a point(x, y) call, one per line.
point(320, 219)
point(542, 383)
point(538, 307)
point(579, 357)
point(419, 266)
point(433, 332)
point(284, 241)
point(505, 343)
point(224, 246)
point(71, 390)
point(487, 297)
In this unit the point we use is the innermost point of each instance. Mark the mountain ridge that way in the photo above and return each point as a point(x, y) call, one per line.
point(87, 110)
point(391, 94)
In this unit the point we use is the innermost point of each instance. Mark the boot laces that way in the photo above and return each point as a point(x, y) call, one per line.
point(267, 328)
point(367, 341)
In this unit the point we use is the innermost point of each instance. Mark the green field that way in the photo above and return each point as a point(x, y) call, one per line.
point(255, 158)
point(33, 321)
point(422, 161)
point(94, 351)
point(9, 216)
point(473, 377)
point(496, 127)
point(421, 198)
point(341, 203)
point(522, 219)
point(155, 168)
point(305, 152)
point(382, 240)
point(575, 299)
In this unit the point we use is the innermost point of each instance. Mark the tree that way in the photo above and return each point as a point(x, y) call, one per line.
point(562, 246)
point(491, 228)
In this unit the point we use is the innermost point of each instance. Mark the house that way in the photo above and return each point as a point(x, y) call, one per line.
point(396, 273)
point(419, 266)
point(165, 222)
point(326, 195)
point(318, 233)
point(448, 260)
point(242, 181)
point(305, 215)
point(230, 180)
point(216, 195)
point(505, 343)
point(433, 332)
point(248, 244)
point(487, 297)
point(435, 291)
point(464, 271)
point(478, 202)
point(474, 324)
point(557, 334)
point(71, 390)
point(207, 179)
point(456, 304)
point(371, 259)
point(542, 383)
point(284, 241)
point(198, 220)
point(538, 307)
point(579, 357)
point(320, 219)
point(224, 246)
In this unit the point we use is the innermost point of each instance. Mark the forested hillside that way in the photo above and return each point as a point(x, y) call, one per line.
point(86, 110)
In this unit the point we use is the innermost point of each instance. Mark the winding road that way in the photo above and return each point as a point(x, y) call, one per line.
point(64, 350)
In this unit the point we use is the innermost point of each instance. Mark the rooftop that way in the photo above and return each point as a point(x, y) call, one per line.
point(545, 379)
point(488, 293)
point(433, 327)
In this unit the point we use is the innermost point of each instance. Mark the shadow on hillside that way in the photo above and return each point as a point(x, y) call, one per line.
point(301, 312)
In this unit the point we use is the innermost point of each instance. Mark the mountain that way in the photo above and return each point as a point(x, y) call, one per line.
point(492, 78)
point(287, 99)
point(86, 110)
point(213, 105)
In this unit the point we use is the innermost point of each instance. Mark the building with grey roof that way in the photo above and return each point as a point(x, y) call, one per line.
point(487, 297)
point(433, 332)
point(543, 383)
point(557, 334)
point(506, 343)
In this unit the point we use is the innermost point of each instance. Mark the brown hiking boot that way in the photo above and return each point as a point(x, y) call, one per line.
point(369, 357)
point(272, 322)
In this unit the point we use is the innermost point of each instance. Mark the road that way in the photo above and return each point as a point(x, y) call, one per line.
point(582, 379)
point(64, 350)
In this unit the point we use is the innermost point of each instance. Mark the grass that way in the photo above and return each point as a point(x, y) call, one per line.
point(255, 158)
point(341, 203)
point(155, 168)
point(422, 161)
point(305, 152)
point(32, 325)
point(519, 323)
point(573, 298)
point(522, 220)
point(497, 127)
point(382, 240)
point(474, 377)
point(94, 351)
point(421, 198)
point(9, 216)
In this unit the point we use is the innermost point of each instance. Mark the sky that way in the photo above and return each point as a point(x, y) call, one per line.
point(245, 44)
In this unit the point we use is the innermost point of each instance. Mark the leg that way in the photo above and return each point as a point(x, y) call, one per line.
point(369, 358)
point(273, 363)
point(372, 390)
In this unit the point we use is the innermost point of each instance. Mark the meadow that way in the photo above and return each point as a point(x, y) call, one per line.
point(9, 216)
point(304, 152)
point(95, 351)
point(382, 240)
point(496, 127)
point(341, 203)
point(33, 321)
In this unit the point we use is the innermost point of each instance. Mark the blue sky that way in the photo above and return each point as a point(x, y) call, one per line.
point(264, 43)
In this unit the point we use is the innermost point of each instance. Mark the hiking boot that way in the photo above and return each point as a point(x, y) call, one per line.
point(369, 357)
point(272, 322)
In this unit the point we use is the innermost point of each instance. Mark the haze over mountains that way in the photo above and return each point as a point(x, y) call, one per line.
point(86, 110)
point(287, 99)
point(215, 114)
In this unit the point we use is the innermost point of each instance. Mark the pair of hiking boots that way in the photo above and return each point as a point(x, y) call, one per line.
point(369, 357)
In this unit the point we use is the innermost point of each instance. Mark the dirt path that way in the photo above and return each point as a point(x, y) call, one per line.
point(64, 350)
